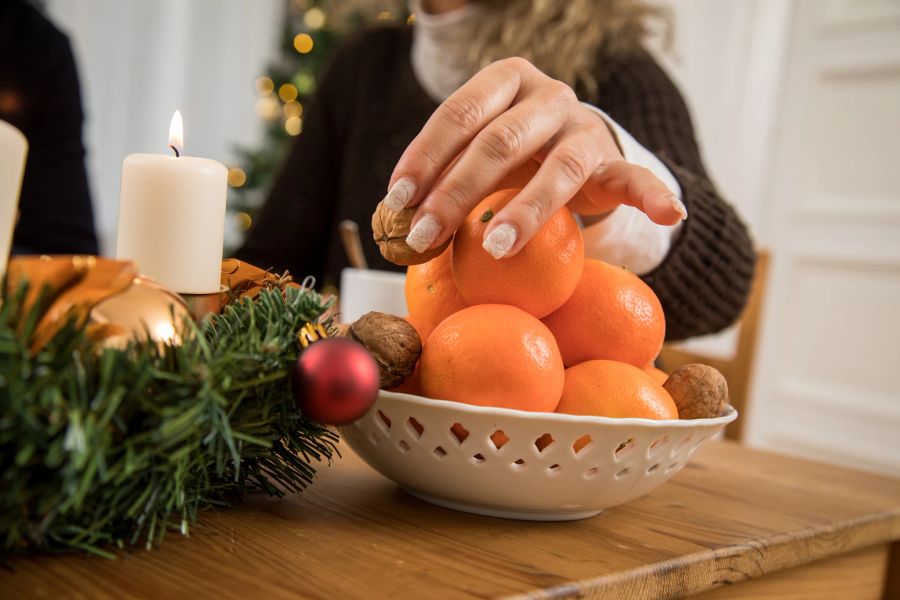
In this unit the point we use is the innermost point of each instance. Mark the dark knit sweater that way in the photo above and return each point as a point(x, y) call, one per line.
point(369, 106)
point(40, 95)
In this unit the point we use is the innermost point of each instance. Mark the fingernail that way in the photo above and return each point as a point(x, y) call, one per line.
point(400, 194)
point(679, 207)
point(423, 234)
point(499, 241)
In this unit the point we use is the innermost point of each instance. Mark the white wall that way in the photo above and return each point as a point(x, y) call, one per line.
point(140, 60)
point(727, 59)
point(795, 103)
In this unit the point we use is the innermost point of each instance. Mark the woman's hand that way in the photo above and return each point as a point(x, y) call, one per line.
point(507, 114)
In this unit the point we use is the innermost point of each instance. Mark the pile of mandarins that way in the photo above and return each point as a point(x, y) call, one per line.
point(545, 330)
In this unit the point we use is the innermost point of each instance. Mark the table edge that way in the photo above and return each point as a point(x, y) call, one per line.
point(668, 579)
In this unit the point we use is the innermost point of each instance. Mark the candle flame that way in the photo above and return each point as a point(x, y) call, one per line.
point(176, 134)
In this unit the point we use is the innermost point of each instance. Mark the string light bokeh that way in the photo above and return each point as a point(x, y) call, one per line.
point(304, 43)
point(312, 30)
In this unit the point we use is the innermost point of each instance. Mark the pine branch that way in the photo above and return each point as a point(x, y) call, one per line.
point(120, 446)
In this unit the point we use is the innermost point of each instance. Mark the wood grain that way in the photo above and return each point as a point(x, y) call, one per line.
point(892, 578)
point(855, 576)
point(732, 514)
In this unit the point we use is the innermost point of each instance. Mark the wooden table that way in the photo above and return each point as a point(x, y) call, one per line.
point(735, 523)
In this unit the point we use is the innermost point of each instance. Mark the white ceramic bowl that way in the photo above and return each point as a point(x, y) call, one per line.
point(408, 439)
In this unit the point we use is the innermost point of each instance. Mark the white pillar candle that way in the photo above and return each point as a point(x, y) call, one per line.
point(172, 217)
point(13, 149)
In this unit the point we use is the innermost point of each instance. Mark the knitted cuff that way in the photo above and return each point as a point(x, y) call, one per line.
point(705, 279)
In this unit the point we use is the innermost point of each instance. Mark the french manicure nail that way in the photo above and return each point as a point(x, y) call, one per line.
point(400, 194)
point(423, 234)
point(499, 241)
point(679, 207)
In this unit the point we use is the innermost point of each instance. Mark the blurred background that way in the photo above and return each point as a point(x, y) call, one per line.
point(797, 107)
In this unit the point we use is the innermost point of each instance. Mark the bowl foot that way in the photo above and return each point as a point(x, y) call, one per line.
point(492, 511)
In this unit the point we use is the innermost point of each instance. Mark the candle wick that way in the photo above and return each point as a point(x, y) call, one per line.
point(175, 150)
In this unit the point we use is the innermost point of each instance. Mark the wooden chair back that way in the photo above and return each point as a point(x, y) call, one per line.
point(738, 370)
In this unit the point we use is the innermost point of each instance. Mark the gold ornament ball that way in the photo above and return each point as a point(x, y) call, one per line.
point(145, 309)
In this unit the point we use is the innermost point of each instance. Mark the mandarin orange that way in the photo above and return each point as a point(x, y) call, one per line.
point(611, 315)
point(658, 375)
point(417, 325)
point(607, 388)
point(499, 438)
point(539, 279)
point(410, 385)
point(492, 355)
point(431, 294)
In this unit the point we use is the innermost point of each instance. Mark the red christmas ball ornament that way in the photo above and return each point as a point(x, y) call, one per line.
point(335, 381)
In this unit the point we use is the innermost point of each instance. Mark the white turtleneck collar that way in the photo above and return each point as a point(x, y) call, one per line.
point(440, 57)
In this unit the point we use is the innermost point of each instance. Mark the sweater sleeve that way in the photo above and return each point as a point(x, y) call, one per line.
point(294, 227)
point(56, 213)
point(704, 281)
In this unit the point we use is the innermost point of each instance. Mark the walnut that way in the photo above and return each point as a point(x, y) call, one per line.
point(390, 228)
point(699, 391)
point(392, 342)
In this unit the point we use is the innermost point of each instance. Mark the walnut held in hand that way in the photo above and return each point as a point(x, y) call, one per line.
point(392, 342)
point(699, 391)
point(390, 228)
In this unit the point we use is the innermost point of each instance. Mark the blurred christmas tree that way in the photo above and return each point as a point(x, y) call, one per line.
point(312, 30)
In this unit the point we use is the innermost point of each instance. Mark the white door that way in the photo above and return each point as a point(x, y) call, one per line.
point(827, 384)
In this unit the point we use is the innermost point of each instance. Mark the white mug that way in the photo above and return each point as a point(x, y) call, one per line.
point(364, 290)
